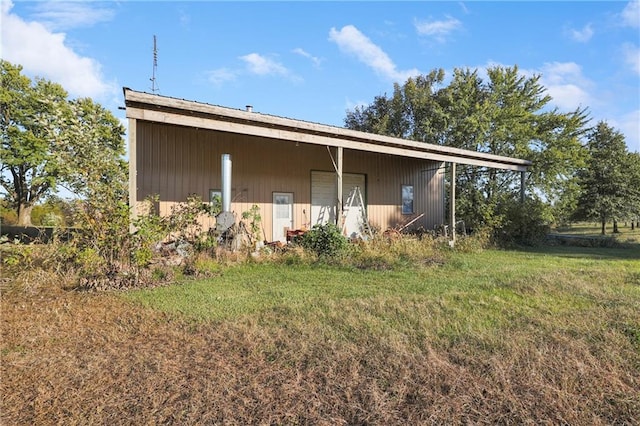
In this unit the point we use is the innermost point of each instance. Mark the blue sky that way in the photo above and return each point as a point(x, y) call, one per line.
point(315, 60)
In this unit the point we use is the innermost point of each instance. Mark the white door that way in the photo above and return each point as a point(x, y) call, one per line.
point(282, 215)
point(324, 195)
point(323, 198)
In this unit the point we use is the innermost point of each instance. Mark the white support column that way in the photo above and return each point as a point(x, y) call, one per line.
point(133, 173)
point(452, 203)
point(339, 182)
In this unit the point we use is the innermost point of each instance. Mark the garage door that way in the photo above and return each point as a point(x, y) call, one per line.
point(324, 195)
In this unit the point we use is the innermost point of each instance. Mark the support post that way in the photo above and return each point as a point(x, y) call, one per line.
point(452, 203)
point(133, 174)
point(339, 183)
point(523, 183)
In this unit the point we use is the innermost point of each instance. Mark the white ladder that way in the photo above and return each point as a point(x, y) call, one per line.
point(356, 196)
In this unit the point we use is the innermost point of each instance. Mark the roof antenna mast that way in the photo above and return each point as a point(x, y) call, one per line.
point(154, 84)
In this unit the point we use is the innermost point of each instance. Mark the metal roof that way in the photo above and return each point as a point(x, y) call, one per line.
point(164, 109)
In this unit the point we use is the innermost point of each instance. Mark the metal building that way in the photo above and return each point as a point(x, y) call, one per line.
point(299, 173)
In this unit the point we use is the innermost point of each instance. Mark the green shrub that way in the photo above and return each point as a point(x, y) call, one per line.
point(16, 257)
point(90, 262)
point(8, 215)
point(525, 223)
point(326, 241)
point(108, 254)
point(476, 242)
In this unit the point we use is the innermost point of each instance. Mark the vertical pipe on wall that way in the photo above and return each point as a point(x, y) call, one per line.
point(226, 182)
point(133, 172)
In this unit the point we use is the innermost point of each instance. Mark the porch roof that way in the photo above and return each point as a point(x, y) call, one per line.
point(168, 110)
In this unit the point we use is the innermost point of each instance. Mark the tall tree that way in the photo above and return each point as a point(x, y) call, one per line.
point(634, 184)
point(506, 114)
point(95, 149)
point(48, 141)
point(509, 115)
point(31, 119)
point(412, 111)
point(608, 183)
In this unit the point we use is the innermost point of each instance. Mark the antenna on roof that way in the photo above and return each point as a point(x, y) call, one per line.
point(154, 84)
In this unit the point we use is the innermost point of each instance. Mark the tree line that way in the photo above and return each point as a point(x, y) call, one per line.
point(578, 172)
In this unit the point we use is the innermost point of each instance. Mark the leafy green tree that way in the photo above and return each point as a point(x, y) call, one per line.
point(609, 182)
point(634, 183)
point(509, 115)
point(32, 113)
point(48, 141)
point(506, 114)
point(94, 151)
point(412, 112)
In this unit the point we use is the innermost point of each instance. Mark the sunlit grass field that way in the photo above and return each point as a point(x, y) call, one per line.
point(626, 234)
point(547, 335)
point(494, 286)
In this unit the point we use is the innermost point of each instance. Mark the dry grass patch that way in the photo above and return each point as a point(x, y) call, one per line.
point(489, 338)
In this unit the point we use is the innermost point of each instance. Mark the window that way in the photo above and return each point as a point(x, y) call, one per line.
point(282, 206)
point(215, 201)
point(407, 199)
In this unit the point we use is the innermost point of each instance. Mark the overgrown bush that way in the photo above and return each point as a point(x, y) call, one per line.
point(109, 254)
point(8, 216)
point(476, 242)
point(32, 267)
point(391, 251)
point(326, 241)
point(521, 223)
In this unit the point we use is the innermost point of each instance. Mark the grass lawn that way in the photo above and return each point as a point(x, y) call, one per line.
point(626, 234)
point(545, 335)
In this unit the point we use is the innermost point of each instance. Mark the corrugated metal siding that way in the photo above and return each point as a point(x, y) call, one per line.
point(385, 176)
point(174, 162)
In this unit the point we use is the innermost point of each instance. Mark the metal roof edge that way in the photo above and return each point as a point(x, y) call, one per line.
point(133, 97)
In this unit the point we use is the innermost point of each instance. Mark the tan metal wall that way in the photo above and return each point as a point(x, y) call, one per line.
point(174, 162)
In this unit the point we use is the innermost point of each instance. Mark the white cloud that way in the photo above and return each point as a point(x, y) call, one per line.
point(570, 89)
point(221, 76)
point(632, 56)
point(583, 35)
point(63, 15)
point(316, 61)
point(566, 84)
point(438, 29)
point(45, 53)
point(258, 64)
point(184, 18)
point(629, 125)
point(631, 14)
point(254, 64)
point(351, 41)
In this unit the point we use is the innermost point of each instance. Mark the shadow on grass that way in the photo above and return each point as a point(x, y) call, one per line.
point(629, 252)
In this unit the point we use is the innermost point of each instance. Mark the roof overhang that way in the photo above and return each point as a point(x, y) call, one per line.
point(167, 110)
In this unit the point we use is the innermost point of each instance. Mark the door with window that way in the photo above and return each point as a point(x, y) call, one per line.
point(282, 215)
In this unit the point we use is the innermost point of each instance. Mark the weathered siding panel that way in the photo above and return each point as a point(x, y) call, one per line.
point(174, 162)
